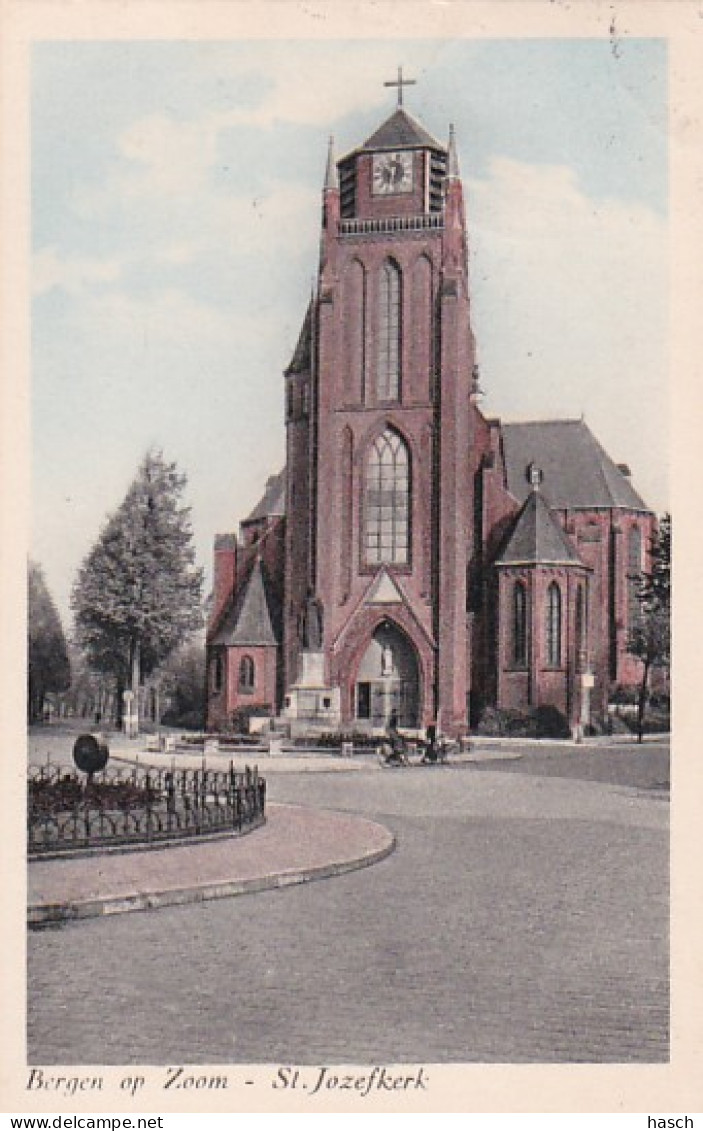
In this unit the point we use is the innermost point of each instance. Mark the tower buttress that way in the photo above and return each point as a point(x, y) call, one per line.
point(330, 210)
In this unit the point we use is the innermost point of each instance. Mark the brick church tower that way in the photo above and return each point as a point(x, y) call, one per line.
point(380, 434)
point(414, 555)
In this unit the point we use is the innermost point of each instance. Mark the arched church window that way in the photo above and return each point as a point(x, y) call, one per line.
point(554, 625)
point(217, 673)
point(634, 550)
point(388, 360)
point(355, 328)
point(580, 632)
point(387, 501)
point(520, 625)
point(634, 579)
point(247, 674)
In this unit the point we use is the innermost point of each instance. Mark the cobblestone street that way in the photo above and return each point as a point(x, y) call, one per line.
point(521, 918)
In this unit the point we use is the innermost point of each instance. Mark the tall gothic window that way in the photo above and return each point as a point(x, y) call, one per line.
point(355, 329)
point(634, 579)
point(634, 550)
point(247, 674)
point(388, 360)
point(554, 625)
point(217, 674)
point(520, 625)
point(580, 629)
point(387, 501)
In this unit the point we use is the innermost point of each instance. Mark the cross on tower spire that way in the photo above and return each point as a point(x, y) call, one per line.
point(400, 82)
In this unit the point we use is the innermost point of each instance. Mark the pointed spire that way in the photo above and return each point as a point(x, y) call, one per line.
point(331, 179)
point(452, 157)
point(534, 476)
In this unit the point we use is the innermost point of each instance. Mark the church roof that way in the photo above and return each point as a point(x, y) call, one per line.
point(273, 501)
point(537, 537)
point(401, 131)
point(254, 619)
point(302, 355)
point(576, 471)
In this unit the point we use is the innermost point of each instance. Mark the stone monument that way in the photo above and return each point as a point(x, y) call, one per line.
point(310, 704)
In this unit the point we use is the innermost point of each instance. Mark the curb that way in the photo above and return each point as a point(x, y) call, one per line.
point(130, 847)
point(41, 915)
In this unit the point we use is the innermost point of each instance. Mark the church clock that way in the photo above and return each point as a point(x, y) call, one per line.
point(392, 173)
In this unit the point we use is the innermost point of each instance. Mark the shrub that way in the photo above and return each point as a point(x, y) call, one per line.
point(187, 720)
point(551, 723)
point(540, 722)
point(336, 738)
point(660, 701)
point(624, 695)
point(501, 722)
point(238, 722)
point(653, 724)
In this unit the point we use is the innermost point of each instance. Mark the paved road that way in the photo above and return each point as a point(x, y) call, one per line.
point(645, 766)
point(522, 918)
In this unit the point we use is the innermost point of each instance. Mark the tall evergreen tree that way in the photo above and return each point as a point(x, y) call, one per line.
point(48, 667)
point(650, 639)
point(138, 593)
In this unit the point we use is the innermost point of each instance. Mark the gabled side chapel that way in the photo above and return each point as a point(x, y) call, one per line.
point(414, 554)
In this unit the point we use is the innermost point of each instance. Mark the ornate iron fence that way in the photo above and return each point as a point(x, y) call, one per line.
point(116, 807)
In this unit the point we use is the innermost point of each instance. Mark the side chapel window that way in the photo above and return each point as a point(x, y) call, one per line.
point(388, 359)
point(554, 625)
point(387, 501)
point(217, 673)
point(246, 674)
point(634, 576)
point(520, 625)
point(580, 629)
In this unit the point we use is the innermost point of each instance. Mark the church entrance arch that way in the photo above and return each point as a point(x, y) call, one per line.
point(388, 679)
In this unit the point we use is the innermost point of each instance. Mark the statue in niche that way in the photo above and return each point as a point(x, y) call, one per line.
point(311, 623)
point(387, 661)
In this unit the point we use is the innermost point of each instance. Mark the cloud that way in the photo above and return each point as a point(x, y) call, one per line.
point(256, 225)
point(161, 198)
point(75, 274)
point(312, 85)
point(168, 157)
point(570, 308)
point(178, 254)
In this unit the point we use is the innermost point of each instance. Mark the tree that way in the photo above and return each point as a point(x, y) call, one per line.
point(650, 639)
point(92, 693)
point(48, 667)
point(183, 682)
point(138, 593)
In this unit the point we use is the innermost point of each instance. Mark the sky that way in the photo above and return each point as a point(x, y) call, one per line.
point(176, 191)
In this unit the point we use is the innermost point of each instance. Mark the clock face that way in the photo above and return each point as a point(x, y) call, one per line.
point(392, 172)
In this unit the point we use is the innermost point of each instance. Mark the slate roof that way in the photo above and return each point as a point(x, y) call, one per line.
point(254, 619)
point(401, 131)
point(302, 356)
point(273, 501)
point(537, 537)
point(577, 471)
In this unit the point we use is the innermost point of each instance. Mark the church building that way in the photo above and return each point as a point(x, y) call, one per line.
point(415, 554)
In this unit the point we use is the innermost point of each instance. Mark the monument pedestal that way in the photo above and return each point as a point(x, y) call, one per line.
point(310, 704)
